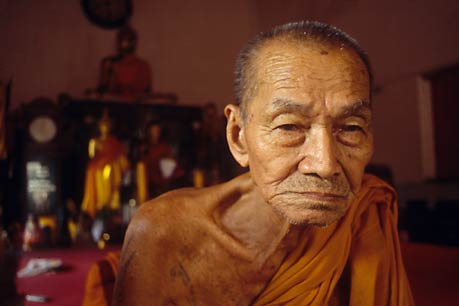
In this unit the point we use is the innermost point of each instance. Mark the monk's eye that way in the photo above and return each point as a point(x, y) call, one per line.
point(288, 127)
point(352, 128)
point(351, 134)
point(288, 134)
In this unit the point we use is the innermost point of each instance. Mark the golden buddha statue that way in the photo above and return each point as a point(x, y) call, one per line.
point(105, 170)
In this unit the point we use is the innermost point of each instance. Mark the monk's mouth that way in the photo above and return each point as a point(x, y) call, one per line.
point(323, 197)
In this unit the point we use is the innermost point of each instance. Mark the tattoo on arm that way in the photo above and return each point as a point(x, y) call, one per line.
point(179, 271)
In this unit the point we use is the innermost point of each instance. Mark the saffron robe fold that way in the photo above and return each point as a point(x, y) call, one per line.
point(355, 261)
point(100, 281)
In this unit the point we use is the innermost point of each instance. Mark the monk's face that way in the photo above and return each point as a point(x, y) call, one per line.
point(307, 133)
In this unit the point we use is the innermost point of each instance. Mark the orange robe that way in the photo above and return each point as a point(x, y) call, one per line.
point(103, 177)
point(150, 179)
point(356, 261)
point(100, 281)
point(131, 77)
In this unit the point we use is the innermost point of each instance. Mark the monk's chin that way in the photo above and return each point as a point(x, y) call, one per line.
point(316, 215)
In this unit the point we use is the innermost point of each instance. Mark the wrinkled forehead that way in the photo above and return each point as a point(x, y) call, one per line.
point(283, 63)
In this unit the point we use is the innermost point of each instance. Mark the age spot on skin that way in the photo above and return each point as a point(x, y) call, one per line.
point(323, 52)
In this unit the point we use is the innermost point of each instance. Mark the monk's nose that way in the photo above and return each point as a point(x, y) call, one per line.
point(319, 154)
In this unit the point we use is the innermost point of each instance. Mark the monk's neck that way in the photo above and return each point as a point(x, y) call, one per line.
point(258, 227)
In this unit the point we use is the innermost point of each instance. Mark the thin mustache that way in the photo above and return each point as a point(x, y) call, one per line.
point(325, 193)
point(332, 187)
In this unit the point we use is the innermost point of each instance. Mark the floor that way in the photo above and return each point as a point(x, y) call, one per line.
point(433, 272)
point(65, 287)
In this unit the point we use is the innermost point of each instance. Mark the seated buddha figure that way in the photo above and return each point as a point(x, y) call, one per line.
point(125, 75)
point(105, 170)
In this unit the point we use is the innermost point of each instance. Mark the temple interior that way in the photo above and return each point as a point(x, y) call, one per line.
point(105, 106)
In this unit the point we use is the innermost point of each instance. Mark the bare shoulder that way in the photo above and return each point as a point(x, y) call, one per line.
point(160, 231)
point(166, 211)
point(159, 224)
point(174, 245)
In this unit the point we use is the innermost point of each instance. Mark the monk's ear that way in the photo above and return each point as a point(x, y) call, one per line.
point(235, 134)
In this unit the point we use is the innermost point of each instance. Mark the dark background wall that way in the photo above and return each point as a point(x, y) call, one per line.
point(48, 47)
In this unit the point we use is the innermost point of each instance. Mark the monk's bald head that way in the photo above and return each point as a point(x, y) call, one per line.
point(249, 63)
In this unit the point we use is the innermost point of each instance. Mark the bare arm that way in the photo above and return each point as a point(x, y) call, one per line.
point(176, 252)
point(143, 272)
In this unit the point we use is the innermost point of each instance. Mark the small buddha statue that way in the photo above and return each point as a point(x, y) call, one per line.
point(158, 169)
point(104, 172)
point(125, 75)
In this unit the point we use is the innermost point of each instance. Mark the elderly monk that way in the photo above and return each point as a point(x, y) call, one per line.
point(305, 226)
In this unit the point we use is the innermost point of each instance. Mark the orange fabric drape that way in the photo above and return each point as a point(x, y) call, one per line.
point(356, 261)
point(103, 177)
point(100, 281)
point(364, 241)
